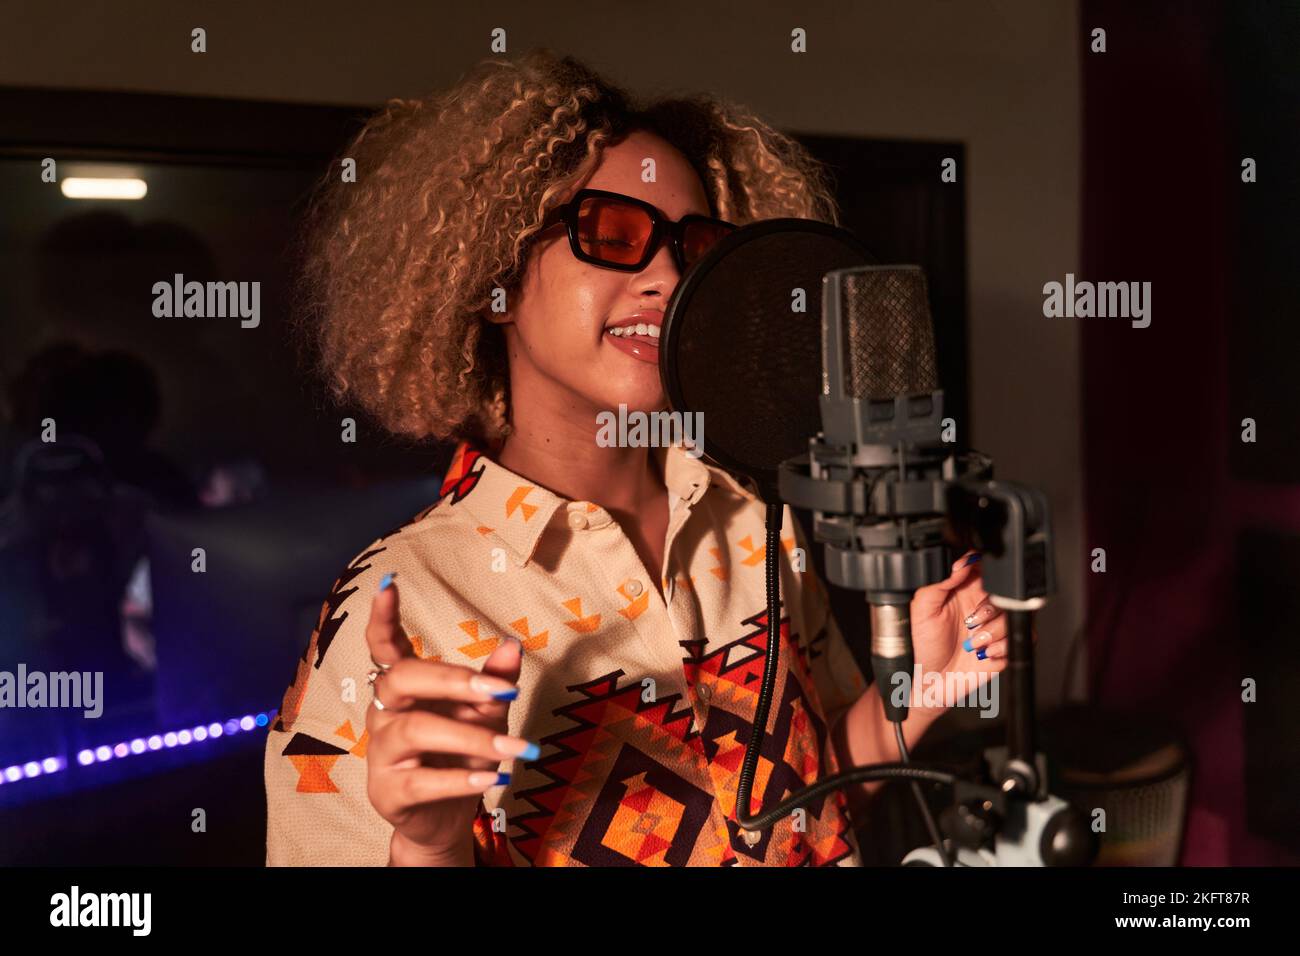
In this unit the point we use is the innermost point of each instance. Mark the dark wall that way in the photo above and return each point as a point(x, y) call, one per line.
point(1182, 95)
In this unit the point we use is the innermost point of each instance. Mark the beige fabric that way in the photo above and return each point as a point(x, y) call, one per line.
point(641, 704)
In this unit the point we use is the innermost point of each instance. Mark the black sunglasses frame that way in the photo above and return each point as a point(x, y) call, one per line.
point(660, 226)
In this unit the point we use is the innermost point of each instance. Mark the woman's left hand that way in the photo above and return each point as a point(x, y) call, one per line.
point(956, 628)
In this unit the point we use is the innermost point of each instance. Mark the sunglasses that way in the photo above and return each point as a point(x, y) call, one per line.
point(620, 232)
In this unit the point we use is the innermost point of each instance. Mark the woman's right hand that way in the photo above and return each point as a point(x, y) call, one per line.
point(436, 745)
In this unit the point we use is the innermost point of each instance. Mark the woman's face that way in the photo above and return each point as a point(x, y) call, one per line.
point(562, 356)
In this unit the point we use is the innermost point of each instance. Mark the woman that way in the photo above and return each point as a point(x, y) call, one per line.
point(564, 648)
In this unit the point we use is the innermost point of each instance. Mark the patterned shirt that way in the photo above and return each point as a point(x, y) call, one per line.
point(641, 703)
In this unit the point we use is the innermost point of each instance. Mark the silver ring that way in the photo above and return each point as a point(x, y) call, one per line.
point(382, 667)
point(371, 678)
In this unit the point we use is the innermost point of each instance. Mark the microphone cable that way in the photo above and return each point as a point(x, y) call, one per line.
point(935, 836)
point(904, 770)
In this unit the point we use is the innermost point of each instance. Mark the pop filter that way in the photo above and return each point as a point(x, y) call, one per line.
point(742, 346)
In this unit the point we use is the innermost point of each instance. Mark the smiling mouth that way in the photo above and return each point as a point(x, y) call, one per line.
point(640, 340)
point(645, 332)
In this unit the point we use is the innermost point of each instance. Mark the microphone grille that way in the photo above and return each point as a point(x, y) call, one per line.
point(887, 332)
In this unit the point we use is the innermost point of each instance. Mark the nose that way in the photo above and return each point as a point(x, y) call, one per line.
point(660, 277)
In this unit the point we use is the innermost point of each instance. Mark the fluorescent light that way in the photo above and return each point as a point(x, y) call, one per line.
point(87, 187)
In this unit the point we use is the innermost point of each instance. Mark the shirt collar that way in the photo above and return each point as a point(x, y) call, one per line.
point(514, 511)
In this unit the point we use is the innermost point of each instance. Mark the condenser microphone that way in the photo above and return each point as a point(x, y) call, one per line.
point(881, 403)
point(879, 469)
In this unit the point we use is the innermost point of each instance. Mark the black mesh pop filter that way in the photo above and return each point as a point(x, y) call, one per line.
point(733, 347)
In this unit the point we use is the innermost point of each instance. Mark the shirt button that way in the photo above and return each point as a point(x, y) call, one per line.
point(577, 520)
point(703, 691)
point(634, 587)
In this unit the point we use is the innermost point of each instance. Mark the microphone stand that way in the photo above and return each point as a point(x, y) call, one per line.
point(1014, 820)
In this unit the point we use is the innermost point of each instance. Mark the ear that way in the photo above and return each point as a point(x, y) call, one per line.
point(499, 309)
point(503, 317)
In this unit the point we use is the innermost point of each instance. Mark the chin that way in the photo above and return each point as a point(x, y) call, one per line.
point(634, 403)
point(642, 392)
point(636, 399)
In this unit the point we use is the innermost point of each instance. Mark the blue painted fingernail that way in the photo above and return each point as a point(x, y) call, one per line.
point(973, 558)
point(388, 579)
point(510, 694)
point(532, 752)
point(966, 645)
point(502, 779)
point(981, 654)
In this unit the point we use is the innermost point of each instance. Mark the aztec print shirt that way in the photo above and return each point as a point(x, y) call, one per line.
point(641, 704)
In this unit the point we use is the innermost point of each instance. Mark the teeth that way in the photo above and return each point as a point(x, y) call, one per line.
point(641, 328)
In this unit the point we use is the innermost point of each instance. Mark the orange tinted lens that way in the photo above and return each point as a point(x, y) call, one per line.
point(699, 237)
point(613, 231)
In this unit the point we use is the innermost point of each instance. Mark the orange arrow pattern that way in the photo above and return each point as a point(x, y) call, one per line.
point(759, 554)
point(636, 605)
point(685, 583)
point(720, 572)
point(516, 500)
point(479, 646)
point(345, 731)
point(417, 642)
point(583, 625)
point(531, 642)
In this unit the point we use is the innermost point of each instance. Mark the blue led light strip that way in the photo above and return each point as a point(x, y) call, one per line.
point(139, 745)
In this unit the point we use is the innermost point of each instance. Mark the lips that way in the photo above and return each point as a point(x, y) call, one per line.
point(637, 334)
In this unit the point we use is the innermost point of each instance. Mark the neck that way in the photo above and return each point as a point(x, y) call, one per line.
point(559, 452)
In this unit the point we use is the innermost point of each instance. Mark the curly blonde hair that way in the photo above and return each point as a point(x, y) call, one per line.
point(398, 267)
